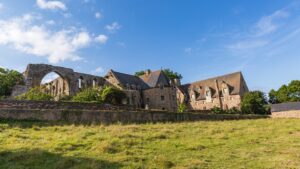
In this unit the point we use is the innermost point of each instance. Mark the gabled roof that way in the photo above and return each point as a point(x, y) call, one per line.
point(233, 81)
point(156, 78)
point(125, 79)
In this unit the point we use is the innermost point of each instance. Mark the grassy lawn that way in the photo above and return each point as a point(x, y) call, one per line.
point(265, 143)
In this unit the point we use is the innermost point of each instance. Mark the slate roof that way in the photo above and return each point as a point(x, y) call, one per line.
point(125, 79)
point(233, 81)
point(156, 78)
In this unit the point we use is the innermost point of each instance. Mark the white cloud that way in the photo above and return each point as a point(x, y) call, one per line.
point(266, 24)
point(101, 39)
point(113, 27)
point(256, 37)
point(57, 46)
point(98, 70)
point(44, 4)
point(80, 40)
point(248, 44)
point(98, 15)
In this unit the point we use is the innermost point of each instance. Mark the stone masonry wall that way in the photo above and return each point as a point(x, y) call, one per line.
point(286, 114)
point(96, 113)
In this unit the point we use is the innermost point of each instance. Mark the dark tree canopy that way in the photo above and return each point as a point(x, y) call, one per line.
point(171, 74)
point(141, 73)
point(254, 102)
point(286, 93)
point(8, 79)
point(113, 95)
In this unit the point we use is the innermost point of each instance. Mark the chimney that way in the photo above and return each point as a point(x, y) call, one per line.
point(147, 72)
point(177, 82)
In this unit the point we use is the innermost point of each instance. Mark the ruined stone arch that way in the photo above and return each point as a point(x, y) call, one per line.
point(35, 73)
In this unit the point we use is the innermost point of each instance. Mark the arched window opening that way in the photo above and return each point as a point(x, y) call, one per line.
point(95, 82)
point(55, 85)
point(80, 82)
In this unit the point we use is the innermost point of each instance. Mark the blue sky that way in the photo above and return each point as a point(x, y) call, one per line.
point(199, 39)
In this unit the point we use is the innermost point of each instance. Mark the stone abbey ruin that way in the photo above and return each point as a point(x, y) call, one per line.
point(153, 90)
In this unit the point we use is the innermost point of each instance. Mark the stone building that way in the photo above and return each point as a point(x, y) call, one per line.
point(68, 83)
point(153, 90)
point(131, 85)
point(224, 91)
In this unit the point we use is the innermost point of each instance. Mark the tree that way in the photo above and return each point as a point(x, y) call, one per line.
point(273, 97)
point(254, 102)
point(286, 93)
point(8, 79)
point(88, 95)
point(172, 75)
point(141, 73)
point(113, 95)
point(35, 94)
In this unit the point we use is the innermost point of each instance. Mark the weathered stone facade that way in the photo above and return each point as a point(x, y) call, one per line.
point(224, 91)
point(69, 82)
point(153, 90)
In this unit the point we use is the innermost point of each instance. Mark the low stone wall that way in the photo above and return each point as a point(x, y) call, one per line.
point(108, 117)
point(286, 114)
point(38, 105)
point(97, 113)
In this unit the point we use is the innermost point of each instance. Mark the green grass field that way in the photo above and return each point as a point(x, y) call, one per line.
point(265, 143)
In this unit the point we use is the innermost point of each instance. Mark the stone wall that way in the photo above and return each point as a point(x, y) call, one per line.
point(286, 114)
point(153, 98)
point(99, 113)
point(286, 110)
point(41, 105)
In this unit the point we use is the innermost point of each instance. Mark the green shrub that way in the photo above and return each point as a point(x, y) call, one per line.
point(217, 110)
point(233, 110)
point(35, 94)
point(88, 95)
point(254, 103)
point(182, 108)
point(113, 95)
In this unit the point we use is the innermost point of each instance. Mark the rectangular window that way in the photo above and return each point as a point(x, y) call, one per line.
point(162, 98)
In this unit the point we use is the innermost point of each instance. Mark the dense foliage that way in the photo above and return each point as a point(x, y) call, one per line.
point(88, 95)
point(218, 110)
point(171, 74)
point(286, 93)
point(8, 79)
point(141, 73)
point(108, 95)
point(254, 102)
point(35, 94)
point(113, 95)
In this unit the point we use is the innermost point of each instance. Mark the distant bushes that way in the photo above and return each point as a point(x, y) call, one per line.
point(88, 95)
point(218, 110)
point(35, 94)
point(108, 94)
